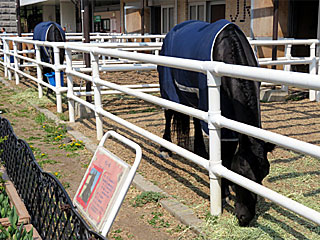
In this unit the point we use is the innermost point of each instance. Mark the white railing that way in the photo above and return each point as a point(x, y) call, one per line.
point(214, 71)
point(105, 64)
point(287, 60)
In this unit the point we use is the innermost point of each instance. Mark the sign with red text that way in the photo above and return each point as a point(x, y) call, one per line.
point(100, 186)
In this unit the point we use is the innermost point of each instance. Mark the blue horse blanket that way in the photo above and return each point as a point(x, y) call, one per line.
point(42, 33)
point(191, 40)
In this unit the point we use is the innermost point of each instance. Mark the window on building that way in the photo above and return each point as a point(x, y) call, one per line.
point(105, 25)
point(167, 18)
point(197, 11)
point(217, 11)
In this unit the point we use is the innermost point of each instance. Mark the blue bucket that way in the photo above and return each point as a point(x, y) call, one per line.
point(52, 80)
point(11, 59)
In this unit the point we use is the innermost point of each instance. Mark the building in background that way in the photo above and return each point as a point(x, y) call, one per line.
point(35, 11)
point(107, 16)
point(8, 16)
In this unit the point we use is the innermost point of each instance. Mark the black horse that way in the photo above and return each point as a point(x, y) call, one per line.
point(52, 32)
point(225, 42)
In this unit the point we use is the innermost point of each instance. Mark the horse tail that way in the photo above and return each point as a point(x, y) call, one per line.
point(181, 128)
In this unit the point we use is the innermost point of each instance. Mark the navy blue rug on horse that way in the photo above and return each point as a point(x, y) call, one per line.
point(48, 31)
point(220, 41)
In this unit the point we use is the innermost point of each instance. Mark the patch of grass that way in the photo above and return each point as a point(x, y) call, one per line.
point(73, 154)
point(54, 133)
point(33, 138)
point(40, 118)
point(18, 114)
point(57, 175)
point(66, 185)
point(85, 165)
point(63, 116)
point(73, 146)
point(115, 234)
point(147, 197)
point(32, 96)
point(46, 161)
point(157, 221)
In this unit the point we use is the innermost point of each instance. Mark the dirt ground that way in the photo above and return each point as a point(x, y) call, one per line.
point(291, 174)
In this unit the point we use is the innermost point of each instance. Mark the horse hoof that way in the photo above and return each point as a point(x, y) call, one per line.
point(164, 155)
point(226, 201)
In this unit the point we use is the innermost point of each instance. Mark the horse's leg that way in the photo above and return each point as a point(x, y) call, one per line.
point(165, 153)
point(199, 146)
point(228, 149)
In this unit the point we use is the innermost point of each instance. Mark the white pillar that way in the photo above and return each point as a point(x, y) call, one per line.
point(39, 71)
point(56, 53)
point(97, 94)
point(313, 95)
point(287, 67)
point(70, 92)
point(214, 83)
point(16, 64)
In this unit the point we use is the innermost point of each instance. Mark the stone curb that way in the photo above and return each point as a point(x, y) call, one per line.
point(184, 214)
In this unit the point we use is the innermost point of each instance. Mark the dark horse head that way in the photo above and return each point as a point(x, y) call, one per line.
point(225, 42)
point(51, 32)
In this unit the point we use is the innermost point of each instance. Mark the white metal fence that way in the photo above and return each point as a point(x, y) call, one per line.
point(214, 71)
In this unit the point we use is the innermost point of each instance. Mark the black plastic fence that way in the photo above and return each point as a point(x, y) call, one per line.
point(51, 209)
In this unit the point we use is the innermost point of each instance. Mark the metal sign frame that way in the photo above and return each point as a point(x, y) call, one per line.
point(105, 184)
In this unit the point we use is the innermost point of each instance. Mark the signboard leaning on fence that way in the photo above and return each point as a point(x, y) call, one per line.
point(105, 185)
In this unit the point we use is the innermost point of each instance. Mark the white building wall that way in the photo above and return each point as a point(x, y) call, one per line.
point(68, 16)
point(49, 13)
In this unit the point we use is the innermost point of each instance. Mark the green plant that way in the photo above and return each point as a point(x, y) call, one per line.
point(46, 161)
point(73, 146)
point(14, 231)
point(147, 197)
point(2, 139)
point(54, 133)
point(40, 118)
point(157, 222)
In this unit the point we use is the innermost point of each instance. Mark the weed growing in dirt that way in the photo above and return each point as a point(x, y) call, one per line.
point(63, 117)
point(147, 197)
point(66, 185)
point(57, 175)
point(73, 146)
point(40, 118)
point(157, 222)
point(47, 161)
point(54, 133)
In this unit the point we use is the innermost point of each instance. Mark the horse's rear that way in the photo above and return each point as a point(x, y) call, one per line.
point(225, 42)
point(51, 32)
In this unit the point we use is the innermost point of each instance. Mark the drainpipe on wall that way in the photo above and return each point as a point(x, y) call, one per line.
point(251, 20)
point(86, 33)
point(142, 18)
point(18, 18)
point(176, 17)
point(318, 30)
point(275, 29)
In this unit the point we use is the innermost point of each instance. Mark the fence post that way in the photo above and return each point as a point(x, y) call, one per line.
point(7, 72)
point(56, 52)
point(157, 51)
point(97, 94)
point(287, 67)
point(214, 83)
point(16, 64)
point(70, 92)
point(313, 95)
point(39, 71)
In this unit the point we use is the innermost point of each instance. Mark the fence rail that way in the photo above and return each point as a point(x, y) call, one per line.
point(51, 210)
point(214, 71)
